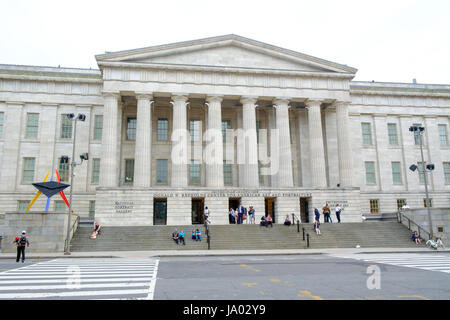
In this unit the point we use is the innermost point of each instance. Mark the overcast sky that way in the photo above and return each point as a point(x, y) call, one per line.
point(388, 41)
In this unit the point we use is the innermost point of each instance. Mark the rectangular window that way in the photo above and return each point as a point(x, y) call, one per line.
point(28, 170)
point(396, 173)
point(447, 172)
point(258, 127)
point(131, 129)
point(261, 177)
point(374, 206)
point(417, 134)
point(194, 129)
point(66, 127)
point(163, 129)
point(392, 132)
point(161, 171)
point(366, 134)
point(92, 209)
point(60, 206)
point(400, 203)
point(420, 169)
point(370, 172)
point(194, 172)
point(443, 135)
point(227, 173)
point(2, 115)
point(64, 171)
point(95, 171)
point(32, 126)
point(226, 125)
point(22, 205)
point(129, 170)
point(98, 127)
point(430, 201)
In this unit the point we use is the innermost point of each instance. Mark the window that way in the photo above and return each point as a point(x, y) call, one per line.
point(430, 201)
point(95, 171)
point(443, 136)
point(98, 127)
point(400, 203)
point(447, 172)
point(92, 209)
point(392, 132)
point(66, 127)
point(64, 170)
point(420, 170)
point(131, 129)
point(227, 173)
point(28, 170)
point(370, 172)
point(129, 170)
point(194, 172)
point(161, 171)
point(396, 173)
point(258, 127)
point(2, 115)
point(417, 134)
point(22, 205)
point(261, 177)
point(374, 206)
point(32, 126)
point(194, 129)
point(366, 133)
point(60, 206)
point(226, 125)
point(163, 129)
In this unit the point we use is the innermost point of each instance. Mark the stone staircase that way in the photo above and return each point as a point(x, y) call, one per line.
point(246, 237)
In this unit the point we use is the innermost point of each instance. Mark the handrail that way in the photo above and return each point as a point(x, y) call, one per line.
point(74, 227)
point(401, 215)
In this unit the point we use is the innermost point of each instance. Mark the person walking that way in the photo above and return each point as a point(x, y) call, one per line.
point(251, 213)
point(21, 242)
point(241, 212)
point(338, 210)
point(231, 216)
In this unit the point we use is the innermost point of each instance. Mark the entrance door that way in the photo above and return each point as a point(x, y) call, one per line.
point(160, 212)
point(269, 204)
point(304, 210)
point(233, 203)
point(197, 210)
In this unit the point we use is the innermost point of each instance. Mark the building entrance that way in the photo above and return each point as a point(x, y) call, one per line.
point(198, 207)
point(304, 210)
point(269, 204)
point(233, 203)
point(160, 212)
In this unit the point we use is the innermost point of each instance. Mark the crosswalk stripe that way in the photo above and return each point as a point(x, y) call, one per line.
point(41, 295)
point(78, 287)
point(63, 280)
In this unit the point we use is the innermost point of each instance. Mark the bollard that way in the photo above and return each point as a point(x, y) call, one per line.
point(303, 234)
point(298, 226)
point(307, 240)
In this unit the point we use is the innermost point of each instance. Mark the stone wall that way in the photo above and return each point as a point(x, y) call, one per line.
point(440, 218)
point(46, 231)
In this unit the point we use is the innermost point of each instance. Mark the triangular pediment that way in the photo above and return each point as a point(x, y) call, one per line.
point(228, 52)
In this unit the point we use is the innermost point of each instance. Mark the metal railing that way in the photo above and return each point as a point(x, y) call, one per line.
point(401, 216)
point(296, 218)
point(73, 229)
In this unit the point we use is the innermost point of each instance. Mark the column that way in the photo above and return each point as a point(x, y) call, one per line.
point(142, 153)
point(316, 149)
point(12, 127)
point(214, 148)
point(250, 152)
point(344, 145)
point(180, 138)
point(285, 178)
point(109, 167)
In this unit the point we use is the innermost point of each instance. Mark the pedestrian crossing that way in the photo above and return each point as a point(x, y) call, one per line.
point(431, 262)
point(98, 279)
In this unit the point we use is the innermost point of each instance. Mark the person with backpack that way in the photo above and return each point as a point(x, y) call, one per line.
point(21, 243)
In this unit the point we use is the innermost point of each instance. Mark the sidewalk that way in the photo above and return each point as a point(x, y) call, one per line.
point(210, 253)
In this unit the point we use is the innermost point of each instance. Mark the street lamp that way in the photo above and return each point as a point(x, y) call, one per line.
point(418, 130)
point(73, 164)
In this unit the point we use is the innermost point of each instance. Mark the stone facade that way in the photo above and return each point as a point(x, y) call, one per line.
point(295, 138)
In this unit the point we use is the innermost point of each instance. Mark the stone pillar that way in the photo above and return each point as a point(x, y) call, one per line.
point(250, 152)
point(12, 127)
point(214, 149)
point(109, 167)
point(316, 149)
point(344, 145)
point(180, 138)
point(143, 155)
point(285, 178)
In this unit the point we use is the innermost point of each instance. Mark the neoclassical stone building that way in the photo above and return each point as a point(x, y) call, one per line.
point(216, 122)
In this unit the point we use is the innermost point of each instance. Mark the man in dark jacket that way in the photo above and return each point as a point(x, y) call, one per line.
point(21, 242)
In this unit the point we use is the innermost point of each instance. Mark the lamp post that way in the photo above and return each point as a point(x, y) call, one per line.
point(73, 164)
point(419, 131)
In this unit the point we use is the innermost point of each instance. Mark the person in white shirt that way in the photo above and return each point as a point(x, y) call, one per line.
point(206, 215)
point(338, 210)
